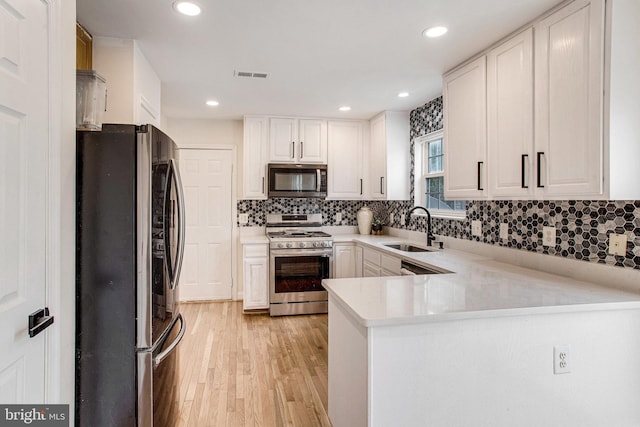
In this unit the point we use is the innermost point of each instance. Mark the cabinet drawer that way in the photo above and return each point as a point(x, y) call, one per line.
point(391, 264)
point(252, 251)
point(372, 256)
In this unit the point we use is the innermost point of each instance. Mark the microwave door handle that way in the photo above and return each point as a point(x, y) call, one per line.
point(318, 179)
point(181, 225)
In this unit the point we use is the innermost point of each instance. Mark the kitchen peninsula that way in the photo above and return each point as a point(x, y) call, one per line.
point(489, 344)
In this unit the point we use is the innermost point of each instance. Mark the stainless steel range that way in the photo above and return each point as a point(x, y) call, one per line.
point(300, 255)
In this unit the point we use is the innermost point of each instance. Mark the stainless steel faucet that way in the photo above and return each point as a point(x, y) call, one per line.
point(430, 236)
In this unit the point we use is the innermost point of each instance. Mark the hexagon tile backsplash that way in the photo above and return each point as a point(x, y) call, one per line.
point(582, 226)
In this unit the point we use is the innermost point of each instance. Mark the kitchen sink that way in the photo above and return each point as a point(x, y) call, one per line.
point(407, 247)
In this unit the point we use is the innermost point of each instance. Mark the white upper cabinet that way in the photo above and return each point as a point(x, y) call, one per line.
point(510, 117)
point(560, 115)
point(294, 140)
point(345, 165)
point(389, 159)
point(254, 158)
point(465, 123)
point(568, 90)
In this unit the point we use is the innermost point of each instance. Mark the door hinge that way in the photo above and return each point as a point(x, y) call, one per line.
point(39, 321)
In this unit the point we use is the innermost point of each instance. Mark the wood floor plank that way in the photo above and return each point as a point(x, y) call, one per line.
point(251, 370)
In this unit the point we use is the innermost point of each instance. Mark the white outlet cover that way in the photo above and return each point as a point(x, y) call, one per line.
point(391, 216)
point(243, 218)
point(548, 236)
point(402, 218)
point(504, 231)
point(476, 228)
point(339, 217)
point(561, 360)
point(618, 244)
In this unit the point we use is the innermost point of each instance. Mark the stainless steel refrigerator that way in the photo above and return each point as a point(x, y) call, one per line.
point(129, 249)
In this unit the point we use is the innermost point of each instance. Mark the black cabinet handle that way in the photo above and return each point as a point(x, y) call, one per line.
point(479, 176)
point(39, 321)
point(382, 185)
point(539, 154)
point(523, 166)
point(301, 149)
point(361, 186)
point(263, 184)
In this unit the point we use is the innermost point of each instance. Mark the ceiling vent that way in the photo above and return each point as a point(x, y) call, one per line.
point(250, 74)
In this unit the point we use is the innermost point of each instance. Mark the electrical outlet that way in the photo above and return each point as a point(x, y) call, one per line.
point(504, 231)
point(339, 217)
point(561, 361)
point(476, 228)
point(548, 236)
point(618, 244)
point(402, 218)
point(391, 217)
point(243, 218)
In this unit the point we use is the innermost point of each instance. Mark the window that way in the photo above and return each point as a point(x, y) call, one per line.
point(429, 178)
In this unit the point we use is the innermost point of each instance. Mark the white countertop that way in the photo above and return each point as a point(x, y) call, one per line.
point(479, 287)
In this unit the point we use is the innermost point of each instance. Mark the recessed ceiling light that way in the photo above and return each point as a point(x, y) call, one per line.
point(434, 31)
point(345, 108)
point(187, 8)
point(212, 103)
point(403, 94)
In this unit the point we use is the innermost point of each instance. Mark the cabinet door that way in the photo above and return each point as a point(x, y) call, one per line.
point(312, 145)
point(344, 261)
point(465, 137)
point(255, 276)
point(510, 117)
point(345, 154)
point(254, 154)
point(256, 285)
point(378, 157)
point(568, 89)
point(283, 138)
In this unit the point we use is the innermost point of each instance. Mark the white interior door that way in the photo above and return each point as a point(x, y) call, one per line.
point(24, 140)
point(206, 269)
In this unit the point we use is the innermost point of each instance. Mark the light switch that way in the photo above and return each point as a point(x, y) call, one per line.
point(618, 244)
point(476, 228)
point(504, 231)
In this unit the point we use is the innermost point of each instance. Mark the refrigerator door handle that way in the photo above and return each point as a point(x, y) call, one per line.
point(181, 225)
point(162, 355)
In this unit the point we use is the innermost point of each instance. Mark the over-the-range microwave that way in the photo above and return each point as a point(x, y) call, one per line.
point(297, 180)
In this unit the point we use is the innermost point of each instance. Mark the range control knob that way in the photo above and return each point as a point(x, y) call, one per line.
point(303, 245)
point(316, 244)
point(289, 245)
point(281, 245)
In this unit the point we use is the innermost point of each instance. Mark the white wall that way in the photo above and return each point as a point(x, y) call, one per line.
point(62, 180)
point(499, 371)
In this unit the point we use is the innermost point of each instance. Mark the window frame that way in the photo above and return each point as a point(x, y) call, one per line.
point(421, 147)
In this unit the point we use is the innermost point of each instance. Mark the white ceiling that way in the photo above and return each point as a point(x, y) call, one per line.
point(319, 54)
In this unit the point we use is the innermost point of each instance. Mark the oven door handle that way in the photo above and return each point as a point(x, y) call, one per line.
point(325, 252)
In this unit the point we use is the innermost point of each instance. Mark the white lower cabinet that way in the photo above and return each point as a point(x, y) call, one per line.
point(347, 260)
point(378, 264)
point(255, 276)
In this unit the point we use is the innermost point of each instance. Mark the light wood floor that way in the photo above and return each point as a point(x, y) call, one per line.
point(251, 370)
